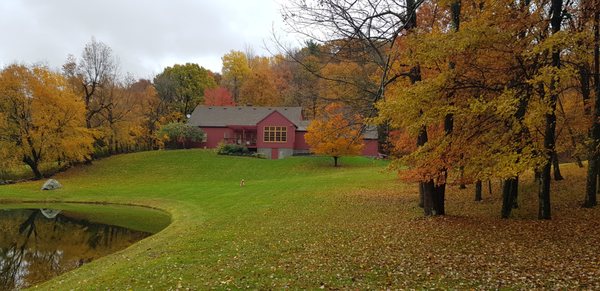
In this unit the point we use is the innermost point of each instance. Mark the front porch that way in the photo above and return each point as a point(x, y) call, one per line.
point(242, 135)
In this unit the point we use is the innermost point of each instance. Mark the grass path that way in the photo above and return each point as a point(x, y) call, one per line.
point(301, 223)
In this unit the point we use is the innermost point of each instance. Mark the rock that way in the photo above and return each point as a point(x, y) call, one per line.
point(51, 184)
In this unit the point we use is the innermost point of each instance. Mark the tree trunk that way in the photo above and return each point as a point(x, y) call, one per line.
point(593, 173)
point(428, 198)
point(591, 184)
point(490, 187)
point(556, 166)
point(34, 167)
point(515, 192)
point(478, 190)
point(439, 193)
point(544, 211)
point(439, 198)
point(335, 161)
point(421, 194)
point(510, 190)
point(584, 82)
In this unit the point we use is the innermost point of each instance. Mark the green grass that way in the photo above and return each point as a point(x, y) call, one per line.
point(301, 223)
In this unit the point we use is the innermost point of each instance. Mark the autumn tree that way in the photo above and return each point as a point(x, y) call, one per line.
point(470, 114)
point(150, 112)
point(259, 87)
point(182, 87)
point(335, 133)
point(303, 86)
point(360, 32)
point(235, 71)
point(41, 119)
point(219, 96)
point(90, 74)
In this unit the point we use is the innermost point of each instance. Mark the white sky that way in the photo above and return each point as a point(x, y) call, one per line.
point(146, 35)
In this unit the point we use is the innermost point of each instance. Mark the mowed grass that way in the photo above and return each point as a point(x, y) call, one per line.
point(301, 223)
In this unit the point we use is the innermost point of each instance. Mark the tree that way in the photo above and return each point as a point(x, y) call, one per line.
point(594, 160)
point(182, 87)
point(219, 96)
point(259, 88)
point(96, 68)
point(178, 134)
point(335, 134)
point(41, 118)
point(361, 32)
point(235, 71)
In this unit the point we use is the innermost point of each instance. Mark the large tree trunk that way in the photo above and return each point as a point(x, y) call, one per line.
point(415, 76)
point(510, 191)
point(34, 165)
point(544, 211)
point(591, 188)
point(335, 161)
point(439, 191)
point(428, 198)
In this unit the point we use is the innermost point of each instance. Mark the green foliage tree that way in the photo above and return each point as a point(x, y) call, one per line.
point(178, 134)
point(182, 87)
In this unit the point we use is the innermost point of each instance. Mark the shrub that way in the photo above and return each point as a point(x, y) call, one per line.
point(233, 150)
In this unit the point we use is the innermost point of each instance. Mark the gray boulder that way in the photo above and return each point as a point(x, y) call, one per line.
point(51, 184)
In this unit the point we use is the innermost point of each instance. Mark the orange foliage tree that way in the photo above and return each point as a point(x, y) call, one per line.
point(334, 134)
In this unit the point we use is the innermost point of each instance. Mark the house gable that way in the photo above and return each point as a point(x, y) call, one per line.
point(275, 120)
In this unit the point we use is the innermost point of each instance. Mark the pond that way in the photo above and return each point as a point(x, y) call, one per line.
point(38, 242)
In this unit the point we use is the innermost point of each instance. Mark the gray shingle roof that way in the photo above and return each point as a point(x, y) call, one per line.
point(370, 132)
point(219, 116)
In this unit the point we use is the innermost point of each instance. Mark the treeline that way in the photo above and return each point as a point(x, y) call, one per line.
point(51, 119)
point(468, 91)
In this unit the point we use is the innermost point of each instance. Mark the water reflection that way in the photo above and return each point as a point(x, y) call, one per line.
point(38, 244)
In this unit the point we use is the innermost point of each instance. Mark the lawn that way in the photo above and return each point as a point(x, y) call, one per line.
point(301, 223)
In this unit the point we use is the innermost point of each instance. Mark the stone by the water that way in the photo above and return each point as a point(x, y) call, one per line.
point(51, 184)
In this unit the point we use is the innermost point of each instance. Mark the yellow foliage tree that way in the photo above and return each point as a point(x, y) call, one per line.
point(235, 71)
point(41, 120)
point(334, 134)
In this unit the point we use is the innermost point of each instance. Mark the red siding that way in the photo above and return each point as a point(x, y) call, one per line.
point(275, 119)
point(300, 141)
point(370, 148)
point(215, 135)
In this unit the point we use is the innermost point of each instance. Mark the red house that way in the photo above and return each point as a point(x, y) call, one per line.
point(275, 132)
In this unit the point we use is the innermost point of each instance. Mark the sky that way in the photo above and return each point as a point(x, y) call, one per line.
point(145, 35)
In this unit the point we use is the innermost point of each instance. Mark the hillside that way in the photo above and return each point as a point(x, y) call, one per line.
point(301, 223)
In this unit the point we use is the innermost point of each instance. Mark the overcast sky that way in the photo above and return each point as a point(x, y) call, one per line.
point(146, 35)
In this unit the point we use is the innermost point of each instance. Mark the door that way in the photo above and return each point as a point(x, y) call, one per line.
point(274, 154)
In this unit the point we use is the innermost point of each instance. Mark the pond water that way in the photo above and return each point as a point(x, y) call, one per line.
point(38, 242)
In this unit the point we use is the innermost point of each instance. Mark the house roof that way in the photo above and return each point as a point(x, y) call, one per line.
point(220, 116)
point(370, 132)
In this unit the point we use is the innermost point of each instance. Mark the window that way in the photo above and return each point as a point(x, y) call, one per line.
point(275, 134)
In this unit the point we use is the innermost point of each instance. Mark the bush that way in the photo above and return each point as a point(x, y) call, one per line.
point(233, 150)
